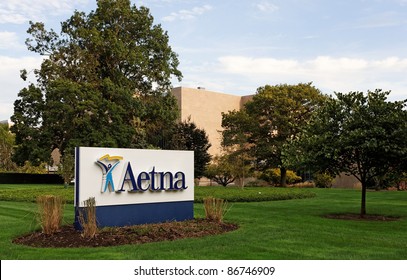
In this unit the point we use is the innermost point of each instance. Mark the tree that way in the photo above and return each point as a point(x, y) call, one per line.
point(105, 81)
point(66, 169)
point(186, 136)
point(6, 149)
point(236, 147)
point(240, 162)
point(274, 116)
point(363, 135)
point(221, 171)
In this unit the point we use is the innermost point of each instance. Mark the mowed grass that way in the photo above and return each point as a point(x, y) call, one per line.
point(29, 193)
point(282, 230)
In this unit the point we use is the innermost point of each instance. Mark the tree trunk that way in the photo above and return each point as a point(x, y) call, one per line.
point(363, 202)
point(283, 177)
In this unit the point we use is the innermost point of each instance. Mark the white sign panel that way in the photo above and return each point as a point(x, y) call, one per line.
point(129, 177)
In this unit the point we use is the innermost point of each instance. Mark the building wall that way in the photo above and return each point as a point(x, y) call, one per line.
point(346, 181)
point(205, 110)
point(8, 122)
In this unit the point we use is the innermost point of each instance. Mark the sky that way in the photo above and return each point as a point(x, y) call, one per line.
point(236, 47)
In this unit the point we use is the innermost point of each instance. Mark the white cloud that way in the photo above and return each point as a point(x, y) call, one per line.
point(6, 110)
point(9, 41)
point(187, 14)
point(266, 6)
point(21, 11)
point(10, 80)
point(330, 74)
point(157, 3)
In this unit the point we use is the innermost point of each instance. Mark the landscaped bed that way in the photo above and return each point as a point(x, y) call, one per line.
point(68, 236)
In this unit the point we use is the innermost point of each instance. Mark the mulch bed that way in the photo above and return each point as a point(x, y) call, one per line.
point(367, 217)
point(69, 237)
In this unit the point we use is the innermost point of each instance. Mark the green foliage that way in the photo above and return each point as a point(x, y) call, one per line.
point(186, 136)
point(159, 121)
point(241, 161)
point(323, 180)
point(29, 168)
point(360, 134)
point(221, 171)
point(27, 127)
point(105, 81)
point(67, 168)
point(6, 149)
point(274, 116)
point(389, 180)
point(238, 151)
point(273, 176)
point(251, 194)
point(241, 167)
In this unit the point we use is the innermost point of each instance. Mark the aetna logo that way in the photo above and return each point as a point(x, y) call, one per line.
point(135, 182)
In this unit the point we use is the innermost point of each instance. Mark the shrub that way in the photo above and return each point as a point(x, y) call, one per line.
point(30, 168)
point(215, 208)
point(50, 212)
point(273, 175)
point(87, 218)
point(303, 185)
point(323, 180)
point(249, 194)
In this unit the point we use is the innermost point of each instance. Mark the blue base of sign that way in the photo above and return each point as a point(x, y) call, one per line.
point(137, 214)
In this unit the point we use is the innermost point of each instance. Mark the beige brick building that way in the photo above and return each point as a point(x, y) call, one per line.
point(205, 108)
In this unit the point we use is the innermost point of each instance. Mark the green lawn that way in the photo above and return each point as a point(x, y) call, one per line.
point(29, 193)
point(286, 229)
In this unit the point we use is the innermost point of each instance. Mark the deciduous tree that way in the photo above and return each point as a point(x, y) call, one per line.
point(105, 81)
point(221, 171)
point(187, 136)
point(363, 135)
point(275, 115)
point(6, 149)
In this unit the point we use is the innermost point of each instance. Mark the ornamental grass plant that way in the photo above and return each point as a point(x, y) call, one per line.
point(215, 208)
point(87, 218)
point(50, 212)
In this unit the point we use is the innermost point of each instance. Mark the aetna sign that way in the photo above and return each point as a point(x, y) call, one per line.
point(133, 186)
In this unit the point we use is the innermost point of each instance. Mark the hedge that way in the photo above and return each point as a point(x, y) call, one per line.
point(26, 178)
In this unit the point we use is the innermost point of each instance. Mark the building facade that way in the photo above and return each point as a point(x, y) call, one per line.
point(205, 109)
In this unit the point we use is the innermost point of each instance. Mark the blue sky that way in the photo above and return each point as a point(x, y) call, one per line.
point(237, 46)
